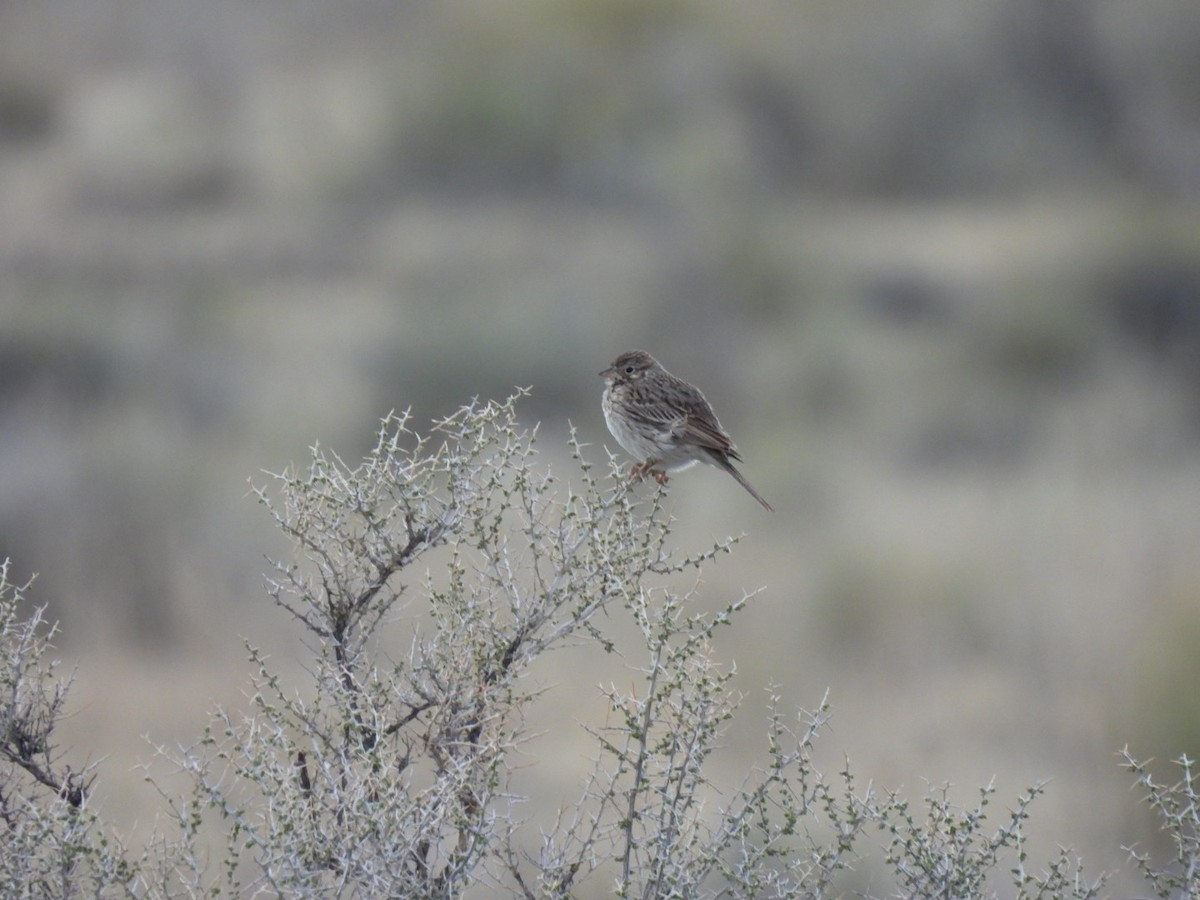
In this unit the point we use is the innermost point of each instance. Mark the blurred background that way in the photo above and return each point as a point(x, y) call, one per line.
point(936, 265)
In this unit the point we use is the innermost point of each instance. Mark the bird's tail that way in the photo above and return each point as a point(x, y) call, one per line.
point(741, 479)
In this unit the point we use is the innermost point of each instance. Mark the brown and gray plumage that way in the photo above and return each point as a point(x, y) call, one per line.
point(664, 421)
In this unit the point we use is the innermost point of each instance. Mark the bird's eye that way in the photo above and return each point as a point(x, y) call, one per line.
point(629, 370)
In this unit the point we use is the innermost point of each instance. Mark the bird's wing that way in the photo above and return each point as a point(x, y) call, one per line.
point(700, 424)
point(655, 412)
point(708, 433)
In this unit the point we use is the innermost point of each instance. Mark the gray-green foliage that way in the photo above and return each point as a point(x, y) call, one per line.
point(390, 774)
point(1177, 807)
point(51, 843)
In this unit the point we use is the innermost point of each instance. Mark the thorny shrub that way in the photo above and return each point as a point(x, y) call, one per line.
point(390, 774)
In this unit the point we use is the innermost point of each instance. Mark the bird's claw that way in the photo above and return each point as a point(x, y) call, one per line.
point(639, 471)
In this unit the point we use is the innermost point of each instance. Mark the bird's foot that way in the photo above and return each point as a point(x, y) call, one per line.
point(638, 472)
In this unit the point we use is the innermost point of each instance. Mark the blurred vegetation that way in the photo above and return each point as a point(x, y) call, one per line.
point(936, 265)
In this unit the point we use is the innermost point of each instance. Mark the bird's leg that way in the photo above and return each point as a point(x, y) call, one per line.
point(639, 471)
point(660, 477)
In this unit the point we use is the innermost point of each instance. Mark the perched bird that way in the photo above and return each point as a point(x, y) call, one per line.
point(664, 421)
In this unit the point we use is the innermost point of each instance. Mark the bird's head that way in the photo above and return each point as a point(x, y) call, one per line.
point(629, 367)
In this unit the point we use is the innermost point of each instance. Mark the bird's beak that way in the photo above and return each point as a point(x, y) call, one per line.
point(610, 372)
